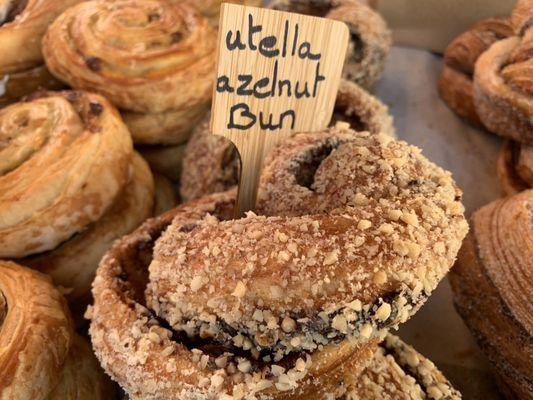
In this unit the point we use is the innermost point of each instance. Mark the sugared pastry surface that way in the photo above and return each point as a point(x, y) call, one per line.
point(274, 335)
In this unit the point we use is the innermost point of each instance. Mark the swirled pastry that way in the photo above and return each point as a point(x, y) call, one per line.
point(274, 334)
point(72, 265)
point(370, 38)
point(64, 158)
point(503, 87)
point(40, 356)
point(139, 54)
point(211, 162)
point(35, 333)
point(515, 167)
point(493, 287)
point(22, 25)
point(455, 83)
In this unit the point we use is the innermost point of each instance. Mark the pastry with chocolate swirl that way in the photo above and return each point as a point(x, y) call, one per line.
point(22, 26)
point(388, 226)
point(70, 184)
point(138, 54)
point(493, 286)
point(370, 38)
point(40, 356)
point(211, 163)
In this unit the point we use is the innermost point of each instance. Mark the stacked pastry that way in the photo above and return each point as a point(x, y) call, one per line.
point(22, 25)
point(370, 38)
point(351, 234)
point(41, 358)
point(486, 79)
point(70, 184)
point(152, 59)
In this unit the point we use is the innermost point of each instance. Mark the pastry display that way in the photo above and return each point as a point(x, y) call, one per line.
point(212, 163)
point(138, 54)
point(515, 167)
point(70, 184)
point(370, 38)
point(456, 80)
point(40, 356)
point(257, 311)
point(22, 25)
point(487, 74)
point(493, 287)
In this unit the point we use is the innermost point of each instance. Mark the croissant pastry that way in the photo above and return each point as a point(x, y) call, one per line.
point(456, 79)
point(63, 161)
point(502, 80)
point(22, 25)
point(40, 356)
point(492, 284)
point(211, 162)
point(370, 38)
point(279, 333)
point(139, 54)
point(515, 167)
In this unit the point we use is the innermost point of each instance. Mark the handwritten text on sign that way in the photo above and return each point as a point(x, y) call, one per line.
point(277, 72)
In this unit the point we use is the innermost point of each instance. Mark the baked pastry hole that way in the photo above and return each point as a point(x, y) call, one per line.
point(357, 45)
point(308, 166)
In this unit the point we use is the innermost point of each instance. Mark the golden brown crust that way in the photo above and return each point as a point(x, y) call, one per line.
point(149, 362)
point(20, 84)
point(399, 372)
point(370, 38)
point(22, 25)
point(503, 87)
point(515, 167)
point(328, 197)
point(64, 158)
point(211, 8)
point(35, 336)
point(166, 160)
point(82, 378)
point(492, 284)
point(455, 83)
point(136, 53)
point(72, 265)
point(211, 162)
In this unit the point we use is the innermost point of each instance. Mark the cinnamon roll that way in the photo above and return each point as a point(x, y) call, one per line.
point(211, 162)
point(370, 38)
point(278, 333)
point(40, 356)
point(456, 79)
point(493, 286)
point(64, 158)
point(72, 265)
point(515, 167)
point(139, 54)
point(22, 25)
point(502, 80)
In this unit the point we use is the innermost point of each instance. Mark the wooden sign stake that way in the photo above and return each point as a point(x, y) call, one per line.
point(277, 73)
